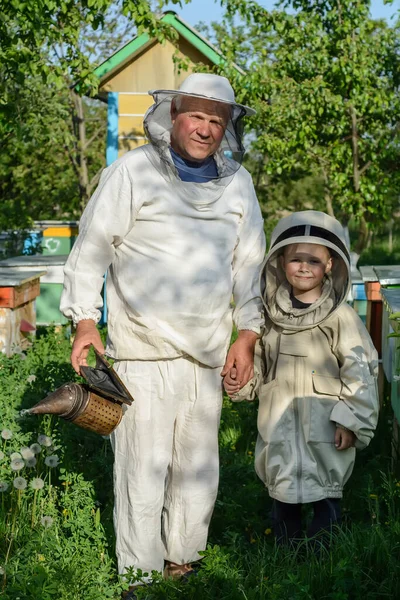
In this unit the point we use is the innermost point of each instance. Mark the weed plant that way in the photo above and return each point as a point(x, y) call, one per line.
point(56, 534)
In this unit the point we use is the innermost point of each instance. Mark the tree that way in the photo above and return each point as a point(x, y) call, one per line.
point(53, 138)
point(325, 81)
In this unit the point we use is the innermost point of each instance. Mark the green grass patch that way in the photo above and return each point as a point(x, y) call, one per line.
point(56, 533)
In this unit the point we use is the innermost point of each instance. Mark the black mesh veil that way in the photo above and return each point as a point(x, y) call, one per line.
point(158, 125)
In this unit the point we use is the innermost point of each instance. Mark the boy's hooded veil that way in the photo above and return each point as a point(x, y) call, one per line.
point(307, 227)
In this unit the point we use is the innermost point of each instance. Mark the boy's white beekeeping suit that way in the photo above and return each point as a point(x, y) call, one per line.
point(176, 251)
point(316, 367)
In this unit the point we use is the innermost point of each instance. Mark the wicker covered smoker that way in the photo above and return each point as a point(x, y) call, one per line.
point(95, 405)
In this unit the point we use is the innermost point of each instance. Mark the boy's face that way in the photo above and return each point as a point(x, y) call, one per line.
point(305, 266)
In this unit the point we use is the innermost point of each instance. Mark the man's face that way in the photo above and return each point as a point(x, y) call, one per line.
point(305, 266)
point(198, 127)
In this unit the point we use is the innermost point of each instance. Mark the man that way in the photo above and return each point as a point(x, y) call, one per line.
point(178, 225)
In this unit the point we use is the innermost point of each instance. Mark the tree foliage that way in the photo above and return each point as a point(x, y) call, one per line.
point(53, 138)
point(324, 78)
point(322, 74)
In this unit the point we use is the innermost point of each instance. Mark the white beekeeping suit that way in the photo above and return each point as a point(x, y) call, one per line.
point(176, 252)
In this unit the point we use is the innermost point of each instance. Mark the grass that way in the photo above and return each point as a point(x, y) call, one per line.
point(58, 543)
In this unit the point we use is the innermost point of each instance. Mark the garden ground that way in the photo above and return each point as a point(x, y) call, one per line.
point(56, 533)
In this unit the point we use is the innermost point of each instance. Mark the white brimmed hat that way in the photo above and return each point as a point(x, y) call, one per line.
point(208, 87)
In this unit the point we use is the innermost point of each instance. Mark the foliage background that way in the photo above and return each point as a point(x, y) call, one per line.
point(323, 76)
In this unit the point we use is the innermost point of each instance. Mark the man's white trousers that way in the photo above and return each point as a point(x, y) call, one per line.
point(165, 462)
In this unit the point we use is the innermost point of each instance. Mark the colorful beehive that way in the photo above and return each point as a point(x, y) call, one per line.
point(357, 297)
point(389, 280)
point(18, 290)
point(51, 284)
point(374, 305)
point(57, 236)
point(391, 357)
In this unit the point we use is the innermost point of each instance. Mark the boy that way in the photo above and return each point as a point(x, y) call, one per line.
point(315, 376)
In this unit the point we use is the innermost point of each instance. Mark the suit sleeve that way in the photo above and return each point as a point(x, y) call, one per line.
point(108, 217)
point(248, 257)
point(358, 361)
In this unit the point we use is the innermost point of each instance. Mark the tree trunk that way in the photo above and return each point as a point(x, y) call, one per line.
point(354, 144)
point(363, 227)
point(370, 238)
point(363, 234)
point(390, 236)
point(83, 175)
point(329, 205)
point(328, 195)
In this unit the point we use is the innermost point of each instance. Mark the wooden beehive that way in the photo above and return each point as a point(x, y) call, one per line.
point(18, 290)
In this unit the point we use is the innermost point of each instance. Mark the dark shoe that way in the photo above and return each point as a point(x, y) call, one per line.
point(130, 594)
point(175, 571)
point(186, 576)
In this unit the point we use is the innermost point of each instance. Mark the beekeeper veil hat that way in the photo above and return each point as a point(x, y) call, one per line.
point(307, 227)
point(158, 124)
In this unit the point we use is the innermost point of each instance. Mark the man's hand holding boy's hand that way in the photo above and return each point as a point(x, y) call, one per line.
point(241, 357)
point(231, 384)
point(344, 438)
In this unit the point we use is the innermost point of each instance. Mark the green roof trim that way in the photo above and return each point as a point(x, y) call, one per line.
point(193, 37)
point(121, 55)
point(139, 42)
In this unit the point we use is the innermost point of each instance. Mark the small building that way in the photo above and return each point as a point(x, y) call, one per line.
point(142, 65)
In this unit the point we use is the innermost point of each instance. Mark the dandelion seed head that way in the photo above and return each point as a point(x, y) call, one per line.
point(6, 434)
point(17, 464)
point(3, 486)
point(27, 453)
point(46, 521)
point(44, 440)
point(36, 448)
point(51, 461)
point(37, 483)
point(20, 483)
point(31, 378)
point(15, 455)
point(31, 462)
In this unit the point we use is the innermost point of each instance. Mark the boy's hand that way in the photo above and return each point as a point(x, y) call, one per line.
point(231, 383)
point(344, 438)
point(241, 357)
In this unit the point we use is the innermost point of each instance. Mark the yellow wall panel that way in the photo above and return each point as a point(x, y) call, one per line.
point(152, 69)
point(134, 103)
point(130, 126)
